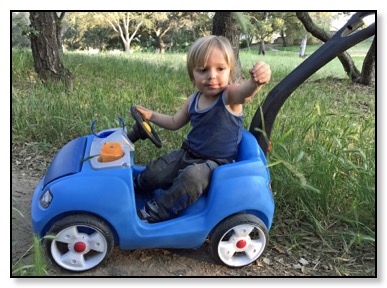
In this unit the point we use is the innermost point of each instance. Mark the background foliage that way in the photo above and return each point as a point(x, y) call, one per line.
point(98, 30)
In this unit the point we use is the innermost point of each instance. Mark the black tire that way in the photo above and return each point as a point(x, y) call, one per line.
point(79, 242)
point(238, 240)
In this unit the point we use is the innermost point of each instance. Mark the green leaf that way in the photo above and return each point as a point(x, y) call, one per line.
point(274, 163)
point(300, 156)
point(361, 152)
point(284, 136)
point(311, 188)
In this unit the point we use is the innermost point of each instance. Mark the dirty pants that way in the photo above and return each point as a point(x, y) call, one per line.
point(183, 177)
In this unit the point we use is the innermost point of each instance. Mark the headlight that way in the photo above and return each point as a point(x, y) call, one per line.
point(46, 199)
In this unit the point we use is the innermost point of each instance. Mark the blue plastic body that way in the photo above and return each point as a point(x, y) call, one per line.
point(240, 187)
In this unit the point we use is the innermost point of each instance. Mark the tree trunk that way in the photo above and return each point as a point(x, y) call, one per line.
point(368, 70)
point(262, 49)
point(58, 23)
point(45, 50)
point(225, 25)
point(303, 46)
point(127, 46)
point(161, 45)
point(284, 43)
point(346, 60)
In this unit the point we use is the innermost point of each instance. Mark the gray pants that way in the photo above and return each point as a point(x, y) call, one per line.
point(183, 177)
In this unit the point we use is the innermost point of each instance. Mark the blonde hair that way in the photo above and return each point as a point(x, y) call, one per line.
point(200, 50)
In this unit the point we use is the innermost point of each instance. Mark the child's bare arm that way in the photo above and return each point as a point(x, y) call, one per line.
point(166, 121)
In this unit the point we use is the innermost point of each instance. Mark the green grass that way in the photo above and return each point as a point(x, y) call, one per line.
point(323, 138)
point(39, 265)
point(39, 262)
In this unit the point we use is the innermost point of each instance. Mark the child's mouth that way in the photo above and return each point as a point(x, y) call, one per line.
point(212, 85)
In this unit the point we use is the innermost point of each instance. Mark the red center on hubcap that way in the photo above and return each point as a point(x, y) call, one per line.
point(241, 244)
point(79, 247)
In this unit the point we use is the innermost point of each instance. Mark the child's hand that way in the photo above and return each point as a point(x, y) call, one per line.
point(146, 113)
point(260, 73)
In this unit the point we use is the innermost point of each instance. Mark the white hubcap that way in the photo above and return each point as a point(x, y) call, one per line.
point(241, 245)
point(78, 251)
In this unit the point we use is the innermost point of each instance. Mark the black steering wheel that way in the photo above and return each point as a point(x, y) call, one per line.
point(142, 129)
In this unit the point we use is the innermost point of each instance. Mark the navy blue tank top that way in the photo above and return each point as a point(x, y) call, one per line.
point(216, 131)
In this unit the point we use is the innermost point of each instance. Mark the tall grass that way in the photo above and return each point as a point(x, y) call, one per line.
point(330, 157)
point(323, 138)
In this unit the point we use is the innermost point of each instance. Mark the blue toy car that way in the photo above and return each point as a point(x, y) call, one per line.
point(90, 205)
point(87, 203)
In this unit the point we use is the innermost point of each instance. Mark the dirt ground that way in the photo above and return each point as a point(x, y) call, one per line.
point(275, 262)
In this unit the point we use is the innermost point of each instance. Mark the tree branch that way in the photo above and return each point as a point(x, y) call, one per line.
point(345, 59)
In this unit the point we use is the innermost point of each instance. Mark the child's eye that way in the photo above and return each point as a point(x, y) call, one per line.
point(223, 68)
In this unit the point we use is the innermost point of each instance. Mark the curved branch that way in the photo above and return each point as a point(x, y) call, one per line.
point(345, 59)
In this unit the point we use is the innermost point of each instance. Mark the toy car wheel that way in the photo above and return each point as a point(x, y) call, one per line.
point(239, 240)
point(79, 242)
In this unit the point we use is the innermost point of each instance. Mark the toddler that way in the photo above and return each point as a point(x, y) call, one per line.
point(215, 114)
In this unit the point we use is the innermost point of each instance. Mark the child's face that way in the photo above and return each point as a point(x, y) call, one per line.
point(215, 76)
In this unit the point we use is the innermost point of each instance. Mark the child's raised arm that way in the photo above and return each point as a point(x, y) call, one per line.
point(260, 74)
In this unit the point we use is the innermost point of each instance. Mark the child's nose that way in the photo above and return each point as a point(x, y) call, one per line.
point(212, 74)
